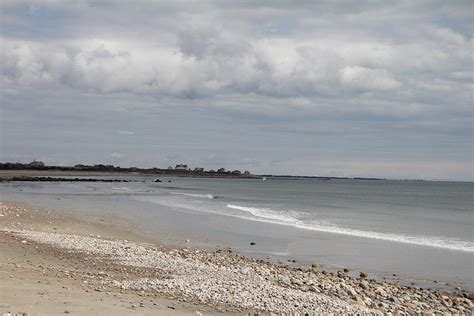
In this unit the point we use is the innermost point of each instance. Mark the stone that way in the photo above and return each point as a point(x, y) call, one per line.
point(252, 244)
point(363, 275)
point(285, 280)
point(364, 284)
point(315, 266)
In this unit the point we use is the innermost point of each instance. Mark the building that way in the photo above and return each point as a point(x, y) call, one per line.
point(246, 172)
point(221, 170)
point(36, 164)
point(181, 167)
point(236, 172)
point(198, 169)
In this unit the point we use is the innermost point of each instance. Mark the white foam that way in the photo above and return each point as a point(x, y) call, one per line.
point(121, 188)
point(204, 196)
point(268, 215)
point(265, 213)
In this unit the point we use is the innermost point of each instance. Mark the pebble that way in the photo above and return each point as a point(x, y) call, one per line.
point(223, 279)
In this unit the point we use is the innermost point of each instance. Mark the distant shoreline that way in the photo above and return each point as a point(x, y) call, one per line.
point(8, 174)
point(58, 171)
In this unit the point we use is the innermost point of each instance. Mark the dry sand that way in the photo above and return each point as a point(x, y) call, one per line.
point(40, 280)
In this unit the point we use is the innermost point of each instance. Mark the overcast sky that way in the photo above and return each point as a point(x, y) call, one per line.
point(340, 88)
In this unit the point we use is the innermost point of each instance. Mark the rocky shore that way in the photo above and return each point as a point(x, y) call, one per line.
point(228, 280)
point(59, 179)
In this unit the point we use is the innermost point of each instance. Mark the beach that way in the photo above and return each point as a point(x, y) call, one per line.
point(56, 264)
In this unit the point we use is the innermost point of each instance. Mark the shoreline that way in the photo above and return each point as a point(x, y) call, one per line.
point(207, 281)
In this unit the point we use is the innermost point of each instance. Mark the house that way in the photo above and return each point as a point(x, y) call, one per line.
point(221, 170)
point(246, 172)
point(236, 172)
point(36, 164)
point(181, 167)
point(199, 169)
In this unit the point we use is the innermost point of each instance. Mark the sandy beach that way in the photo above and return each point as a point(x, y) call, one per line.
point(53, 264)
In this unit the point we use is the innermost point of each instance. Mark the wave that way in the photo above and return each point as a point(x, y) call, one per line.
point(121, 188)
point(205, 196)
point(291, 219)
point(274, 217)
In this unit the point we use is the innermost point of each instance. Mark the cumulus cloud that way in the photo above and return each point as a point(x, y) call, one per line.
point(404, 63)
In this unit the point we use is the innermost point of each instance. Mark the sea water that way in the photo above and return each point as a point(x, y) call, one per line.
point(421, 231)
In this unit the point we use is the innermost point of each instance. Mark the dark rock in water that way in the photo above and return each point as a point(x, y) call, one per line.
point(363, 275)
point(169, 180)
point(315, 266)
point(252, 244)
point(157, 180)
point(346, 270)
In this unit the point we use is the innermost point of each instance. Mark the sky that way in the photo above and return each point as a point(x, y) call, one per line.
point(329, 88)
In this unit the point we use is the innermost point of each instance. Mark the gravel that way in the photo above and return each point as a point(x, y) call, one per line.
point(223, 278)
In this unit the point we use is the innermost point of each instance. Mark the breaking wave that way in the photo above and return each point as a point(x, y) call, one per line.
point(285, 218)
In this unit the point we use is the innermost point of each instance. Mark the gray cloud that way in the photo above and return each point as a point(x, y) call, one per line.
point(266, 79)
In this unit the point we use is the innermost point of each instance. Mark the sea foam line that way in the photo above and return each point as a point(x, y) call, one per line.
point(206, 196)
point(268, 215)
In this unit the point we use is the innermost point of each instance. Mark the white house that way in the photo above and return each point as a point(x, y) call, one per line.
point(181, 167)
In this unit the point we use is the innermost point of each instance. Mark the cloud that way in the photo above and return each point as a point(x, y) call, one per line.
point(184, 74)
point(126, 133)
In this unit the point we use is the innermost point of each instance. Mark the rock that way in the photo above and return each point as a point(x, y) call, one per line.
point(157, 180)
point(363, 275)
point(24, 242)
point(447, 301)
point(470, 296)
point(285, 280)
point(364, 284)
point(346, 270)
point(315, 266)
point(252, 244)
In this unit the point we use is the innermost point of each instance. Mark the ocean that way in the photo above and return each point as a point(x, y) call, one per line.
point(416, 232)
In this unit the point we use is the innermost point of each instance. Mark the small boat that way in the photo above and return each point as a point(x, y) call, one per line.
point(263, 179)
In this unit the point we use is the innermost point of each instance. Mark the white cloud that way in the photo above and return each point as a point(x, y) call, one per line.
point(126, 133)
point(371, 68)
